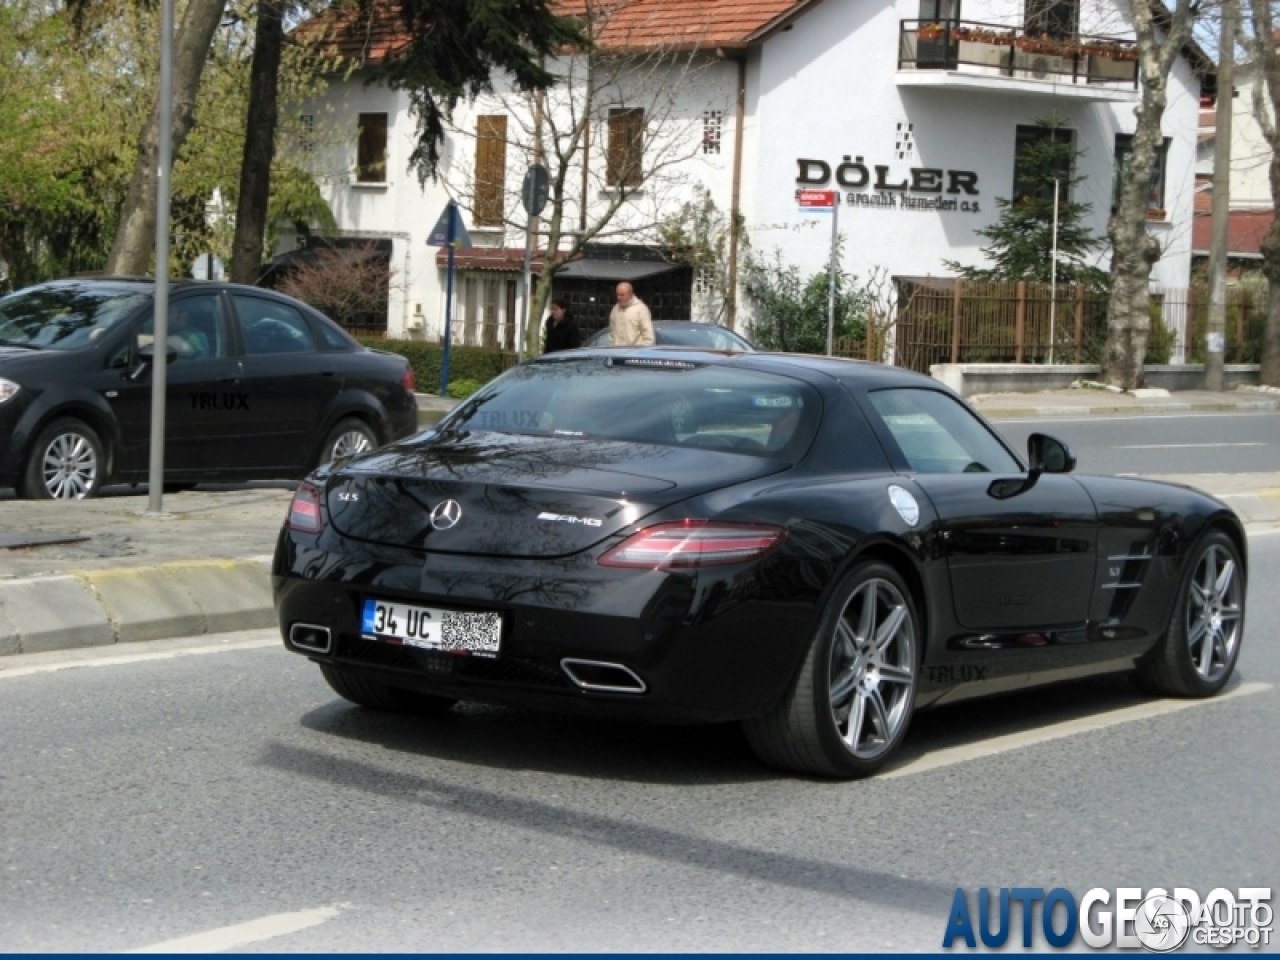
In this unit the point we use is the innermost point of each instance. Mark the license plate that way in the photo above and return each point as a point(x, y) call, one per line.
point(431, 628)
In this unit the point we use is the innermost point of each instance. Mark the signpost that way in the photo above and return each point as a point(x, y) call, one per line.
point(826, 201)
point(533, 195)
point(450, 232)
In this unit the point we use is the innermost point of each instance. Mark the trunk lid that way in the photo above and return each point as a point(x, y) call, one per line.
point(520, 496)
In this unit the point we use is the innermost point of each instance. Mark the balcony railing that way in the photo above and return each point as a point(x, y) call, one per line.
point(967, 46)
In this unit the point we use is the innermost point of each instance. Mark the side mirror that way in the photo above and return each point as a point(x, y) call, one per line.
point(1048, 454)
point(146, 357)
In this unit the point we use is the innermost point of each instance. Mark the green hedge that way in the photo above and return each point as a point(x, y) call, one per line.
point(478, 364)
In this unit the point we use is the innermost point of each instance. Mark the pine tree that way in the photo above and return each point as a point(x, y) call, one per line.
point(1020, 243)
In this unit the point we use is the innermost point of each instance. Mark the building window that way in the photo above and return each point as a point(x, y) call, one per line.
point(491, 170)
point(626, 147)
point(704, 281)
point(371, 152)
point(1056, 18)
point(1155, 191)
point(307, 135)
point(712, 122)
point(1042, 154)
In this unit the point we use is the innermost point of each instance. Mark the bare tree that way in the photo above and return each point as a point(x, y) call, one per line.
point(1261, 47)
point(135, 235)
point(613, 132)
point(1134, 251)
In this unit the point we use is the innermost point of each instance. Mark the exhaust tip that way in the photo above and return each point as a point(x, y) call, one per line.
point(311, 637)
point(600, 677)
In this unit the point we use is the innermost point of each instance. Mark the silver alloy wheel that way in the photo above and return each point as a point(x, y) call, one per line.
point(349, 443)
point(1213, 614)
point(873, 669)
point(70, 466)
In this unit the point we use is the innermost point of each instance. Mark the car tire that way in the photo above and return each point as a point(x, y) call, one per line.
point(1197, 654)
point(349, 437)
point(852, 701)
point(358, 687)
point(67, 462)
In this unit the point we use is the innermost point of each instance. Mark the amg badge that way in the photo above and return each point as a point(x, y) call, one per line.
point(565, 518)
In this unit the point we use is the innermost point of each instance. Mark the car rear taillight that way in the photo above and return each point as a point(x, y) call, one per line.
point(304, 510)
point(407, 380)
point(694, 543)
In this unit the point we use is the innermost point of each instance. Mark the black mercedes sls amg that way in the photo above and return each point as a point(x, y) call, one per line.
point(814, 547)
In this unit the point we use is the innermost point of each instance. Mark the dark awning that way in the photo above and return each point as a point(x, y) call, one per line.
point(589, 269)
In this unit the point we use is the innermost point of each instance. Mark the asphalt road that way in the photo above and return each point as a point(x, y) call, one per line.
point(1177, 444)
point(214, 794)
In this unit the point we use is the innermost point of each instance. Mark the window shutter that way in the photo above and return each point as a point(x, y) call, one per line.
point(371, 150)
point(491, 170)
point(625, 152)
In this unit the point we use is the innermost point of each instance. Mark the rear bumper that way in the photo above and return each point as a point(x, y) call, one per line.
point(703, 648)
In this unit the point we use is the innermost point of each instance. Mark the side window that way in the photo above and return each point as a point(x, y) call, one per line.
point(270, 327)
point(197, 328)
point(937, 434)
point(331, 335)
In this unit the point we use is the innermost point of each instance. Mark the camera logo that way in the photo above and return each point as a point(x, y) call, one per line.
point(1161, 924)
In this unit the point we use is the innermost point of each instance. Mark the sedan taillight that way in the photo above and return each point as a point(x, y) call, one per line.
point(304, 510)
point(694, 543)
point(407, 380)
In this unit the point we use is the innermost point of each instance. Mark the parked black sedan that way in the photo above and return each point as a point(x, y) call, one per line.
point(259, 386)
point(815, 547)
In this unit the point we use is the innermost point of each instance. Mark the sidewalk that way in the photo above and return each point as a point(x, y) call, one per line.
point(1091, 403)
point(100, 572)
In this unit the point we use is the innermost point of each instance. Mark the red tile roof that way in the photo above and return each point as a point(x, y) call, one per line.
point(1246, 230)
point(489, 258)
point(622, 25)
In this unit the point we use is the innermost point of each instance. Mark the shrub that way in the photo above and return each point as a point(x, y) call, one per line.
point(478, 365)
point(461, 389)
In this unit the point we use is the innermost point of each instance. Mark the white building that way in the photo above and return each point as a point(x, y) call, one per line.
point(918, 130)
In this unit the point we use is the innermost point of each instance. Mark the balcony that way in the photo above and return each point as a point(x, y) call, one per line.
point(965, 54)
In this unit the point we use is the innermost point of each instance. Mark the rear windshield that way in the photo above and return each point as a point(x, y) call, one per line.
point(64, 317)
point(667, 402)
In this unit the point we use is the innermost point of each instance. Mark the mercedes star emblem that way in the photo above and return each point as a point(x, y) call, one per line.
point(446, 515)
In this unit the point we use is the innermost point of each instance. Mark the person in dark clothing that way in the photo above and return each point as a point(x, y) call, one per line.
point(562, 330)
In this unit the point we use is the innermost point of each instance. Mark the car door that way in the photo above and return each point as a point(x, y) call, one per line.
point(205, 415)
point(1020, 564)
point(291, 383)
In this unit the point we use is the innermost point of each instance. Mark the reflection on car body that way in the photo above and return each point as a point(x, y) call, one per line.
point(813, 547)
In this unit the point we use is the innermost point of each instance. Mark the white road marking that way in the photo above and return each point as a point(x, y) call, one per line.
point(229, 938)
point(52, 662)
point(1068, 728)
point(1260, 533)
point(1182, 446)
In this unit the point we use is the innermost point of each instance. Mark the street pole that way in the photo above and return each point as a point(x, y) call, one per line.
point(1053, 273)
point(451, 238)
point(160, 328)
point(1215, 337)
point(831, 278)
point(526, 283)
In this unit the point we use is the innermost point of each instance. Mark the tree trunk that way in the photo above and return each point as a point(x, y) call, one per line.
point(1134, 251)
point(1269, 374)
point(135, 235)
point(259, 145)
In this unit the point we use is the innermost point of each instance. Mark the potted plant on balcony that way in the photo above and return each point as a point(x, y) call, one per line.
point(981, 35)
point(929, 31)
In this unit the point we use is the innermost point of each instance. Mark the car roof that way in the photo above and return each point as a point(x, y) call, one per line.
point(804, 366)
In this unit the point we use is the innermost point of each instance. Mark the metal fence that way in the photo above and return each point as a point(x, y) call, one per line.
point(964, 321)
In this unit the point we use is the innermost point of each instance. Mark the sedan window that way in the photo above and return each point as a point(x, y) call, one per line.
point(937, 434)
point(63, 317)
point(197, 328)
point(270, 327)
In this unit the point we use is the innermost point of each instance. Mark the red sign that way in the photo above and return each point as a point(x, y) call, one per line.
point(817, 199)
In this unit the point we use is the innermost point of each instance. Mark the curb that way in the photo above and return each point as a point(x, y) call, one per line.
point(1136, 409)
point(104, 607)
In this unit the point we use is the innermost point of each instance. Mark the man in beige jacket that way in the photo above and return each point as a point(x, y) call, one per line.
point(630, 324)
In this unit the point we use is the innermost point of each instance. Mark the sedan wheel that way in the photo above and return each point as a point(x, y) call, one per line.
point(348, 438)
point(66, 463)
point(1197, 654)
point(853, 699)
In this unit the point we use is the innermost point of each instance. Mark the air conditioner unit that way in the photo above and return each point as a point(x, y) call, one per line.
point(1042, 66)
